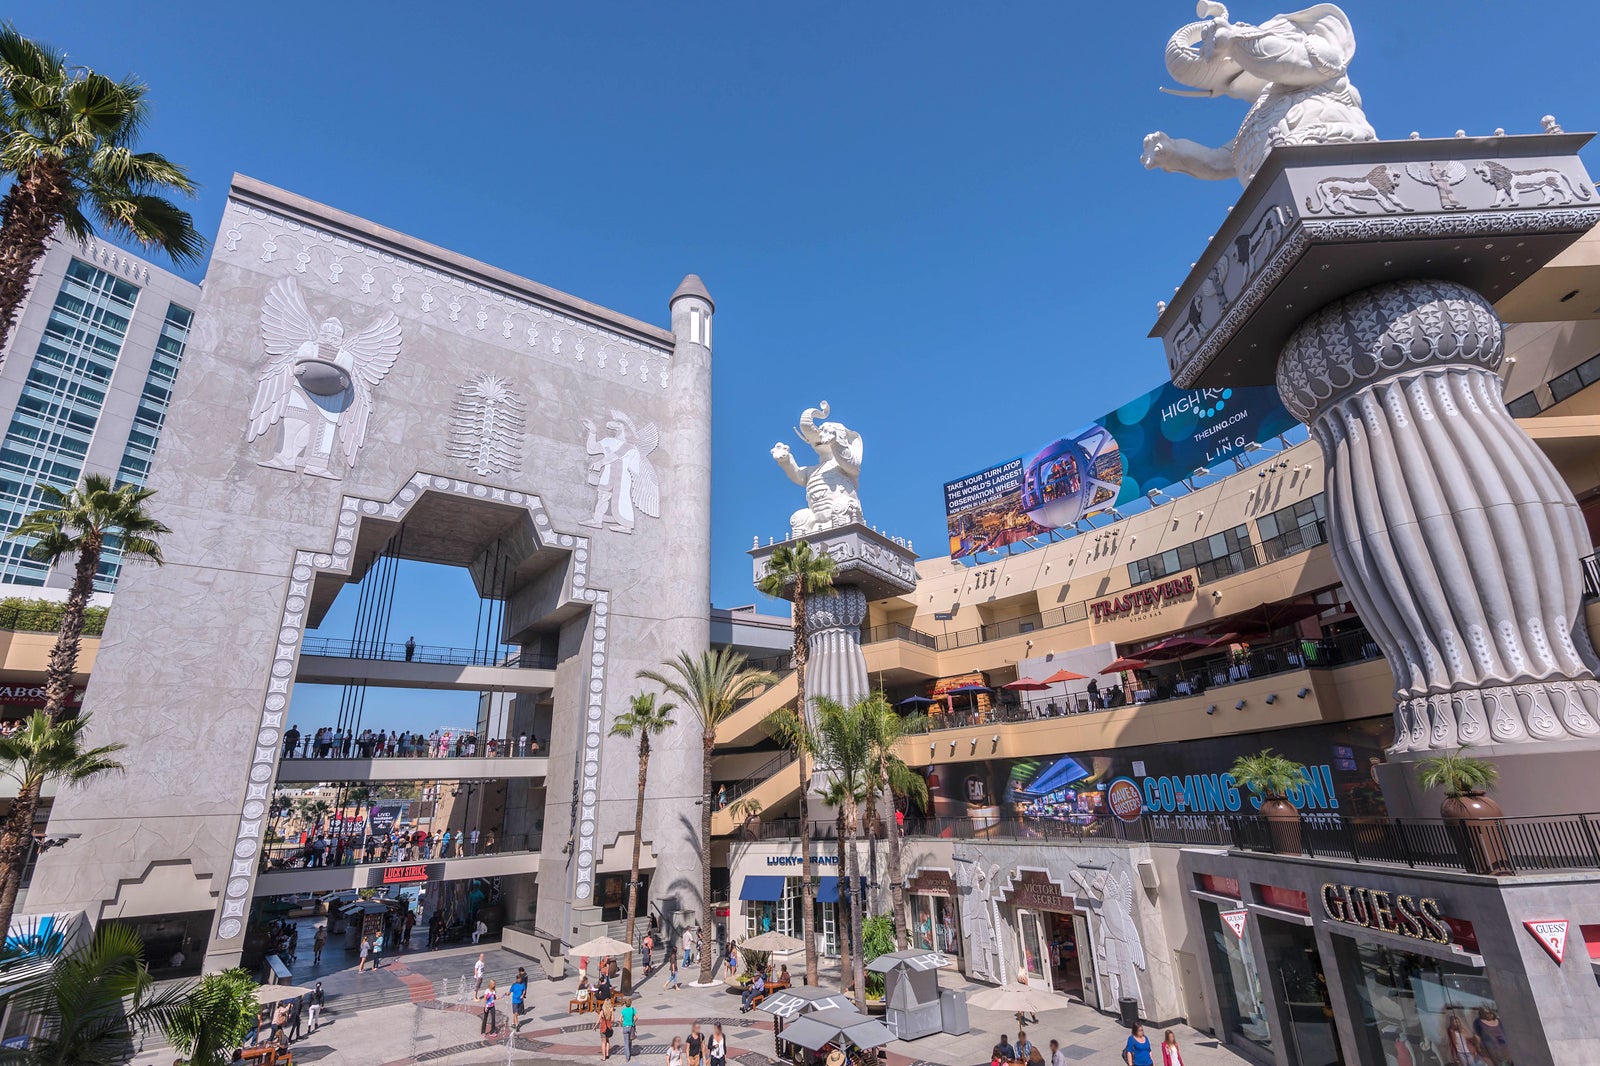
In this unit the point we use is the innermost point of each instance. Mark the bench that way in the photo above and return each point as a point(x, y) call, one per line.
point(267, 1055)
point(772, 986)
point(582, 1003)
point(278, 972)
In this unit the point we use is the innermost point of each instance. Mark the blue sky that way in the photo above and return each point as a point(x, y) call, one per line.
point(932, 215)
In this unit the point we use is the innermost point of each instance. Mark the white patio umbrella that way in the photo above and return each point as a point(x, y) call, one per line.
point(1018, 999)
point(275, 993)
point(600, 947)
point(773, 941)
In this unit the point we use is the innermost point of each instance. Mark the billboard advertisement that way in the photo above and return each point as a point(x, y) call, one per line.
point(1150, 442)
point(1186, 783)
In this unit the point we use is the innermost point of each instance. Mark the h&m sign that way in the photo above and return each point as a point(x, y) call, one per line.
point(1148, 596)
point(1370, 908)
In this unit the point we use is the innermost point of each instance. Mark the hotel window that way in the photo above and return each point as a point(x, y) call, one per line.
point(1293, 529)
point(60, 405)
point(1217, 556)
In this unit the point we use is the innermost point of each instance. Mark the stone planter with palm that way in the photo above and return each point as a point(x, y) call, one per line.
point(1474, 821)
point(1271, 777)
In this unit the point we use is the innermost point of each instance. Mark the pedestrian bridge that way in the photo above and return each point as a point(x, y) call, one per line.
point(371, 875)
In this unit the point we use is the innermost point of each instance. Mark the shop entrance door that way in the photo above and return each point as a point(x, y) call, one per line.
point(1304, 1009)
point(1066, 974)
point(1085, 961)
point(1034, 946)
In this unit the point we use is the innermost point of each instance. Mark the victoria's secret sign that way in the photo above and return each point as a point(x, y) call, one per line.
point(1035, 889)
point(1417, 918)
point(1148, 596)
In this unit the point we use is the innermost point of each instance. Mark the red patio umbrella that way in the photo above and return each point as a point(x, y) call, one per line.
point(1026, 684)
point(1266, 617)
point(1175, 648)
point(1125, 664)
point(1062, 676)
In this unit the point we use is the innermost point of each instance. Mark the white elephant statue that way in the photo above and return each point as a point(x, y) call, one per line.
point(832, 484)
point(1292, 67)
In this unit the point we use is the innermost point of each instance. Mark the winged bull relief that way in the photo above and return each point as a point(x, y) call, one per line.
point(317, 385)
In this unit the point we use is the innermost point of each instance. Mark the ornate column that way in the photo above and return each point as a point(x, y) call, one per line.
point(1455, 536)
point(837, 669)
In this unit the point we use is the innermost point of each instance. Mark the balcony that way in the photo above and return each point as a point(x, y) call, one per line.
point(296, 880)
point(462, 768)
point(325, 661)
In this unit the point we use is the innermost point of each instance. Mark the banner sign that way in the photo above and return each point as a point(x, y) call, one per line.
point(1175, 785)
point(382, 817)
point(1151, 442)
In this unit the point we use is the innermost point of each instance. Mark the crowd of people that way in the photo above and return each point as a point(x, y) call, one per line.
point(1137, 1051)
point(330, 848)
point(329, 742)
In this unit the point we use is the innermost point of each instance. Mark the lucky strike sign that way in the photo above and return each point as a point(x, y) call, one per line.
point(1148, 596)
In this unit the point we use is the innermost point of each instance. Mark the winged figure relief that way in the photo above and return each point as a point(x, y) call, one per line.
point(622, 473)
point(317, 384)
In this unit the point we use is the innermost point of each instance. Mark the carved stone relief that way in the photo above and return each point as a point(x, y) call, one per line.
point(622, 474)
point(486, 425)
point(317, 385)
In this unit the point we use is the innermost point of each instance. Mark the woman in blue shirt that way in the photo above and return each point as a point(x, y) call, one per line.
point(1136, 1052)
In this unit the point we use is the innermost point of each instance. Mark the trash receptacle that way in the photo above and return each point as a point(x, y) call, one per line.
point(953, 1012)
point(1128, 1007)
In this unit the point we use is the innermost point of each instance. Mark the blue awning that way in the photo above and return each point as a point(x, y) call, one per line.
point(762, 887)
point(828, 889)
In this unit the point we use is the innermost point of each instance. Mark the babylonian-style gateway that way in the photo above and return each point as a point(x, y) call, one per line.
point(1417, 574)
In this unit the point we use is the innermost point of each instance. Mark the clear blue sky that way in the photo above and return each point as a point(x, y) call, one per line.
point(933, 215)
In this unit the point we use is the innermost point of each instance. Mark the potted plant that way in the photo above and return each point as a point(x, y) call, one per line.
point(1473, 819)
point(747, 812)
point(1272, 776)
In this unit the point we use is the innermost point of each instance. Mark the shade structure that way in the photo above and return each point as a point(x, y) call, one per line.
point(364, 906)
point(1175, 648)
point(1026, 684)
point(836, 1025)
point(1018, 999)
point(773, 941)
point(278, 993)
point(1063, 676)
point(1266, 617)
point(828, 888)
point(1125, 664)
point(913, 959)
point(803, 999)
point(599, 947)
point(761, 888)
point(967, 690)
point(915, 701)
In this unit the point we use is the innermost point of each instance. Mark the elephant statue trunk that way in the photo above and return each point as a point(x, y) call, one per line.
point(1187, 65)
point(808, 423)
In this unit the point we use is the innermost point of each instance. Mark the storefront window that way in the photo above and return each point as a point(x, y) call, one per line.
point(1417, 1009)
point(782, 915)
point(934, 925)
point(1233, 966)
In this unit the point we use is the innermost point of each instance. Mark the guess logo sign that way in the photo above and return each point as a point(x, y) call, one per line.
point(1551, 933)
point(1236, 920)
point(1417, 918)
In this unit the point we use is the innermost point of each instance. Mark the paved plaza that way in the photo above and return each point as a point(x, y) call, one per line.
point(419, 1007)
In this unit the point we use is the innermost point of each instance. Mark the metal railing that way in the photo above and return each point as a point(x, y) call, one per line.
point(424, 653)
point(1199, 675)
point(413, 746)
point(287, 855)
point(729, 791)
point(1499, 847)
point(1087, 828)
point(1591, 576)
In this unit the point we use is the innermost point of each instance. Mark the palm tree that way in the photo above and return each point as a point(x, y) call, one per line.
point(645, 718)
point(844, 931)
point(845, 747)
point(793, 731)
point(213, 1019)
point(884, 728)
point(91, 1002)
point(795, 570)
point(40, 751)
point(68, 141)
point(79, 523)
point(711, 686)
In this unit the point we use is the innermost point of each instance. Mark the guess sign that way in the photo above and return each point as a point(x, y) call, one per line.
point(1369, 908)
point(1149, 596)
point(1236, 921)
point(1551, 934)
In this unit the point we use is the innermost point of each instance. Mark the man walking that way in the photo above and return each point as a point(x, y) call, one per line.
point(472, 842)
point(519, 991)
point(1057, 1056)
point(477, 975)
point(315, 1009)
point(294, 1019)
point(318, 942)
point(377, 949)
